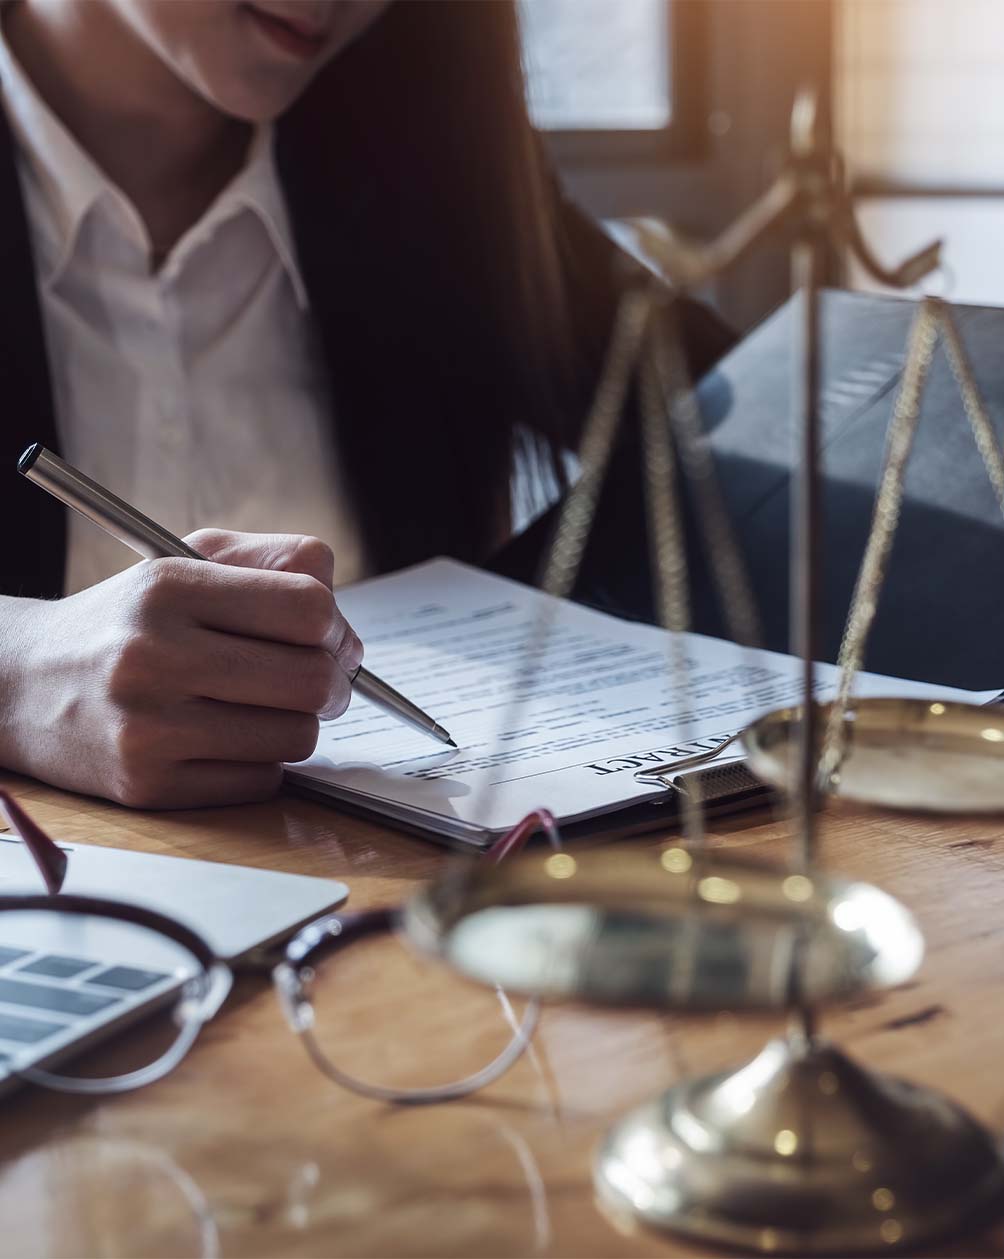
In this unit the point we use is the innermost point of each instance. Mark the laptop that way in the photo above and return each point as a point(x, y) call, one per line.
point(66, 984)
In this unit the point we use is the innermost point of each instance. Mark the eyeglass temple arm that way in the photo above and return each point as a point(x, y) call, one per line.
point(329, 936)
point(48, 856)
point(538, 820)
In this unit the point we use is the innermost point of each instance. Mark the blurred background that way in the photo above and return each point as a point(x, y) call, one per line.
point(680, 109)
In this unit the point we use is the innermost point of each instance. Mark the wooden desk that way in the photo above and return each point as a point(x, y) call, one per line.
point(281, 1162)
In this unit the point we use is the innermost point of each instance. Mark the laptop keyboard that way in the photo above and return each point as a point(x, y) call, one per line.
point(44, 997)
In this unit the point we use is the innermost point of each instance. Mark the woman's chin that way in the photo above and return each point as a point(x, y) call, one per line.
point(258, 98)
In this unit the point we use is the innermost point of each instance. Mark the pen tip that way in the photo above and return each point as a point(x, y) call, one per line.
point(442, 735)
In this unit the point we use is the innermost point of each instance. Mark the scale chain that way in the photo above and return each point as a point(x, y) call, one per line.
point(972, 401)
point(933, 317)
point(666, 532)
point(599, 433)
point(885, 518)
point(728, 569)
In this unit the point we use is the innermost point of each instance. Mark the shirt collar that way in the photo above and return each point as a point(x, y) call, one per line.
point(257, 188)
point(66, 183)
point(63, 182)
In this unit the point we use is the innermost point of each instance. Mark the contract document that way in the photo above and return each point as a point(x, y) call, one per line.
point(552, 704)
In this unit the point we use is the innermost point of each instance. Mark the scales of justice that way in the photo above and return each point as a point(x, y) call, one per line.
point(801, 1150)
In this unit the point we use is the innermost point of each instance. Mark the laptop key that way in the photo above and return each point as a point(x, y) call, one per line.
point(25, 1031)
point(10, 955)
point(131, 978)
point(46, 997)
point(56, 966)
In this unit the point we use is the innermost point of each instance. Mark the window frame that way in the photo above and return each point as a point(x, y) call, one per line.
point(754, 57)
point(684, 137)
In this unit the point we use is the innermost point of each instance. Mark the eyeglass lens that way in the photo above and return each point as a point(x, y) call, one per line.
point(416, 1026)
point(71, 979)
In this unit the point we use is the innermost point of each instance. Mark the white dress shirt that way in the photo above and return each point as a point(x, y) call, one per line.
point(195, 392)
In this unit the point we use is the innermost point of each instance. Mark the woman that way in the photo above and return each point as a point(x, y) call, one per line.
point(341, 326)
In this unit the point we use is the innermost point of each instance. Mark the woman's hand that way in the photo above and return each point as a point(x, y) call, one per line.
point(177, 683)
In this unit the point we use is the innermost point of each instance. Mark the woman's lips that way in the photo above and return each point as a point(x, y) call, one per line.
point(295, 38)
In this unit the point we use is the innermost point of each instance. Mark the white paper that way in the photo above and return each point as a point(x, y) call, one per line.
point(552, 704)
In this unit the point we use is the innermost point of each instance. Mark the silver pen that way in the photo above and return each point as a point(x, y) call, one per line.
point(153, 541)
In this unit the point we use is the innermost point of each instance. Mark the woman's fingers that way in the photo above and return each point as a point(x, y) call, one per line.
point(294, 554)
point(180, 682)
point(201, 784)
point(206, 730)
point(252, 672)
point(281, 552)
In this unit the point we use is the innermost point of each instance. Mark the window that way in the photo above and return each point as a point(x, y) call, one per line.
point(920, 118)
point(680, 109)
point(602, 77)
point(593, 65)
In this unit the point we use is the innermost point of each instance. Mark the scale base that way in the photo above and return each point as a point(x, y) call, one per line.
point(801, 1151)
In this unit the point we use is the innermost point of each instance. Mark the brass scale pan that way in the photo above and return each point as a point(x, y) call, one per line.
point(933, 756)
point(671, 929)
point(693, 930)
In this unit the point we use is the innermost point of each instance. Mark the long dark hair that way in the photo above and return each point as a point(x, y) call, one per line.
point(437, 258)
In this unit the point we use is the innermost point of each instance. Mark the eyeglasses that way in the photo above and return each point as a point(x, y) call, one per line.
point(373, 1016)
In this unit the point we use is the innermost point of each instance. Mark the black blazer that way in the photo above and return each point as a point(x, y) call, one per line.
point(33, 525)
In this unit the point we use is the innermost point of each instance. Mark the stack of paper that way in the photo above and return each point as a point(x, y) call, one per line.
point(553, 705)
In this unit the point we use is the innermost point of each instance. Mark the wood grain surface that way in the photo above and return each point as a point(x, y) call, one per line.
point(246, 1149)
